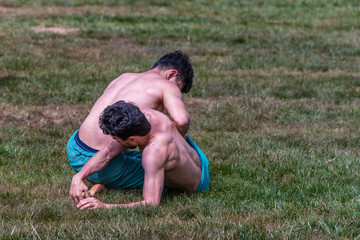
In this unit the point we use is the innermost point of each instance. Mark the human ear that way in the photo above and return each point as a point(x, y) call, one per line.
point(171, 73)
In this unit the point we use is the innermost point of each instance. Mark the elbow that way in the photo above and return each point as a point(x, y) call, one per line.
point(183, 122)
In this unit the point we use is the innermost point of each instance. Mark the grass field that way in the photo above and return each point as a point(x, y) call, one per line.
point(274, 106)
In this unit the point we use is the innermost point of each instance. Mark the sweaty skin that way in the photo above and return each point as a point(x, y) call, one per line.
point(153, 89)
point(168, 160)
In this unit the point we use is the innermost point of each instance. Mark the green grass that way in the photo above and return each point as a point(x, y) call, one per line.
point(274, 106)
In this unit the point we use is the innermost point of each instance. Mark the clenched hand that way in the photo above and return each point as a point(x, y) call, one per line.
point(78, 189)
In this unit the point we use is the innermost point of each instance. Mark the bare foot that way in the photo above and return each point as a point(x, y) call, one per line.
point(96, 189)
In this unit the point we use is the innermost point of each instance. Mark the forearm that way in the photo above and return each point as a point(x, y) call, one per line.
point(175, 107)
point(95, 164)
point(100, 160)
point(78, 190)
point(93, 203)
point(130, 205)
point(127, 205)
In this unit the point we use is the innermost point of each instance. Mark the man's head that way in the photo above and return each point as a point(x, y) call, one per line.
point(180, 62)
point(124, 120)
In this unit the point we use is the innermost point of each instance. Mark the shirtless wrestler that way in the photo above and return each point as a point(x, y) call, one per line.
point(101, 159)
point(169, 160)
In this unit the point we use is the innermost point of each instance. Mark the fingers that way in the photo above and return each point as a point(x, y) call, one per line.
point(74, 197)
point(79, 196)
point(82, 203)
point(79, 192)
point(83, 206)
point(85, 203)
point(87, 195)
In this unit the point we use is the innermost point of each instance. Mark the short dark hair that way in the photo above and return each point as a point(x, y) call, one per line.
point(179, 61)
point(123, 120)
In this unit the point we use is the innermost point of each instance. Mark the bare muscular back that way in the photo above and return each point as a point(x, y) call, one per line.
point(143, 89)
point(182, 164)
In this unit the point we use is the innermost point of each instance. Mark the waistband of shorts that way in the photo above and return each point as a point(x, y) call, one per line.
point(82, 145)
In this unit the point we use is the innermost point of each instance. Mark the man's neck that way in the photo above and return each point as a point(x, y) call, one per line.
point(156, 70)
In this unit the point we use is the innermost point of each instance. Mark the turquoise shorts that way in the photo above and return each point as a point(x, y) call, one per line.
point(205, 178)
point(123, 172)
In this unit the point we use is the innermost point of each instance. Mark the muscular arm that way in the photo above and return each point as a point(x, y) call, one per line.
point(153, 161)
point(176, 108)
point(95, 164)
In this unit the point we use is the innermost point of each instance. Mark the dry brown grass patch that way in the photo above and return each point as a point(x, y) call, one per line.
point(101, 50)
point(286, 72)
point(40, 116)
point(57, 30)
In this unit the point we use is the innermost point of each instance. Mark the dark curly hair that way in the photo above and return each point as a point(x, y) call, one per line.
point(123, 120)
point(179, 61)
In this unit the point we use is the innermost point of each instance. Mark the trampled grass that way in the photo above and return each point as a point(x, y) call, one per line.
point(274, 106)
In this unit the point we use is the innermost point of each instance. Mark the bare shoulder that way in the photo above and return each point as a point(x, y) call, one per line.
point(159, 143)
point(121, 77)
point(154, 75)
point(163, 138)
point(128, 76)
point(156, 153)
point(157, 78)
